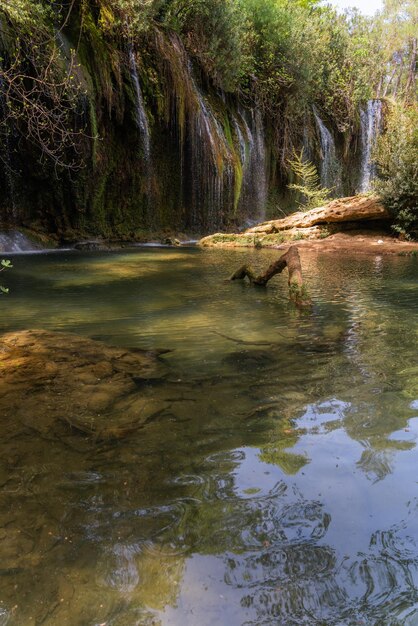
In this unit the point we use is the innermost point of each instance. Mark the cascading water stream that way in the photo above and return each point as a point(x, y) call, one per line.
point(204, 121)
point(15, 241)
point(330, 167)
point(140, 113)
point(207, 184)
point(260, 164)
point(371, 126)
point(243, 151)
point(255, 183)
point(211, 164)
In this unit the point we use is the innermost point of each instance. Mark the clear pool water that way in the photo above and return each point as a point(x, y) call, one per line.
point(280, 487)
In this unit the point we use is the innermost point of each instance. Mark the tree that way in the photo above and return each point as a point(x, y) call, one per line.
point(39, 84)
point(399, 25)
point(396, 158)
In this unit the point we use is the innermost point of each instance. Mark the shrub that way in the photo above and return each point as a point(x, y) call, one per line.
point(397, 162)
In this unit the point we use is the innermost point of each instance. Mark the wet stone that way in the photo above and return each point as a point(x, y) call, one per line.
point(49, 378)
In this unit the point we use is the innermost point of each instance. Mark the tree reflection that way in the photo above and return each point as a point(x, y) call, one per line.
point(301, 580)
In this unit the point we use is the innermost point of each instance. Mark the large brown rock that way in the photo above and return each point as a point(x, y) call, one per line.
point(352, 209)
point(49, 377)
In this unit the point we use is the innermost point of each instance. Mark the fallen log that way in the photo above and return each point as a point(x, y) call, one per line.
point(298, 291)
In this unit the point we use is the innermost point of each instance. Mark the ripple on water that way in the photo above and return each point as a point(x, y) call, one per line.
point(273, 567)
point(221, 458)
point(189, 479)
point(141, 513)
point(119, 569)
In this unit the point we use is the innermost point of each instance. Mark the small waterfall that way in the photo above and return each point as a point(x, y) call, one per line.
point(243, 152)
point(204, 124)
point(330, 167)
point(255, 181)
point(141, 116)
point(212, 172)
point(15, 241)
point(259, 163)
point(220, 156)
point(371, 126)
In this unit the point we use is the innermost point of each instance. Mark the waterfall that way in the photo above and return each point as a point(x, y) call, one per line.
point(212, 173)
point(205, 120)
point(255, 181)
point(15, 241)
point(371, 126)
point(259, 164)
point(330, 167)
point(242, 144)
point(222, 156)
point(140, 114)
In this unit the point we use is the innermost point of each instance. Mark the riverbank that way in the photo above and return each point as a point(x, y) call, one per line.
point(20, 239)
point(356, 223)
point(363, 241)
point(360, 241)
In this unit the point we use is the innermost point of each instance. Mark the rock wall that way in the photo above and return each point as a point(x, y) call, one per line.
point(162, 149)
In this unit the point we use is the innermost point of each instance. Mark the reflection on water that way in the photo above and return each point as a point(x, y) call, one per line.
point(278, 487)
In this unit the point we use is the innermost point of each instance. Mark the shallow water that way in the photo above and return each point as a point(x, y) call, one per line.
point(279, 487)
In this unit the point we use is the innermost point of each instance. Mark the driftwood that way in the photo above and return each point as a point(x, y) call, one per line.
point(297, 289)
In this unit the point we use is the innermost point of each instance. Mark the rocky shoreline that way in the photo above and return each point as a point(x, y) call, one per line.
point(359, 223)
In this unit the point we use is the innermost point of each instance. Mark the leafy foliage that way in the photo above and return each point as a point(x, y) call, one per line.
point(396, 157)
point(309, 183)
point(215, 33)
point(40, 92)
point(281, 56)
point(5, 264)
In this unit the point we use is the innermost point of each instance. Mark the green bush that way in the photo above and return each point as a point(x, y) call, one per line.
point(397, 161)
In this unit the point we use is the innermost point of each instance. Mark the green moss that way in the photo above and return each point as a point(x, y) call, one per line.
point(94, 129)
point(299, 293)
point(238, 171)
point(238, 180)
point(297, 236)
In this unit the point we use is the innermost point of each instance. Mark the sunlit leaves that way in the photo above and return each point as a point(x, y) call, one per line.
point(396, 158)
point(4, 264)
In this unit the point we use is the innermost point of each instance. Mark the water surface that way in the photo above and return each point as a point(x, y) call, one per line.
point(279, 487)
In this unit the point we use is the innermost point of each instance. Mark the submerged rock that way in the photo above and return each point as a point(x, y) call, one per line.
point(49, 378)
point(91, 245)
point(171, 241)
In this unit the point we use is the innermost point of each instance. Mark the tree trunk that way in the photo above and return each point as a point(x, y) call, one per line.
point(298, 292)
point(410, 83)
point(389, 82)
point(398, 79)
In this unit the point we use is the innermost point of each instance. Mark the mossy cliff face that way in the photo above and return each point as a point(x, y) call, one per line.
point(161, 148)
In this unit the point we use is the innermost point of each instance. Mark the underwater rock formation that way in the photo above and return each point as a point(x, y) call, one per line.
point(85, 384)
